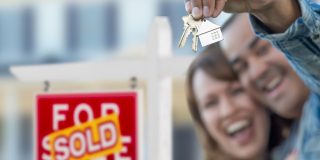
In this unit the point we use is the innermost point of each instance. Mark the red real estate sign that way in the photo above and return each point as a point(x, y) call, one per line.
point(74, 126)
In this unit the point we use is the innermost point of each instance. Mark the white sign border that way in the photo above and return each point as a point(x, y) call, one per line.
point(140, 115)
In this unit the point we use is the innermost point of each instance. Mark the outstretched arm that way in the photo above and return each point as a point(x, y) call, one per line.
point(275, 14)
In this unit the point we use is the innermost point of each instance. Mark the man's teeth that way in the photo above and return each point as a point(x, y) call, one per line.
point(237, 126)
point(271, 85)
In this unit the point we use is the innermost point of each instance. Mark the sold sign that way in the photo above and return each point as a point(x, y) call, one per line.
point(92, 139)
point(76, 126)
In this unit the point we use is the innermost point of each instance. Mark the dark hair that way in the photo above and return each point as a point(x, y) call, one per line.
point(214, 63)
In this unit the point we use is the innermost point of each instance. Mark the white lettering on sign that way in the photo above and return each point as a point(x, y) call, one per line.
point(117, 156)
point(112, 107)
point(46, 146)
point(62, 148)
point(92, 147)
point(73, 143)
point(83, 107)
point(57, 116)
point(103, 130)
point(77, 144)
point(125, 140)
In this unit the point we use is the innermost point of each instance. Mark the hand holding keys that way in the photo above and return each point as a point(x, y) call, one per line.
point(207, 31)
point(213, 8)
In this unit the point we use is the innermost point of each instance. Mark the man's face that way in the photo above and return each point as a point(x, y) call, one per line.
point(263, 70)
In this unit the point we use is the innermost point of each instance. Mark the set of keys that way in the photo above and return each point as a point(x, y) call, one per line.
point(202, 29)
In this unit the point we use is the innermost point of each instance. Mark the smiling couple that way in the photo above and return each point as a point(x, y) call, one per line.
point(244, 95)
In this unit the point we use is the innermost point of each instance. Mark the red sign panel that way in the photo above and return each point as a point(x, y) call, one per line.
point(102, 126)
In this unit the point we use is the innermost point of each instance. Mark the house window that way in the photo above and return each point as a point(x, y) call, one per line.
point(92, 28)
point(11, 31)
point(28, 29)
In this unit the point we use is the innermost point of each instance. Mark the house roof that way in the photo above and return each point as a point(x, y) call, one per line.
point(207, 26)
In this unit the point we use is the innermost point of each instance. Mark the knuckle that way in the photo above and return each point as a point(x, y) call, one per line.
point(196, 3)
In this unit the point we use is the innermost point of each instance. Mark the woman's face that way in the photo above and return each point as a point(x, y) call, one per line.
point(238, 125)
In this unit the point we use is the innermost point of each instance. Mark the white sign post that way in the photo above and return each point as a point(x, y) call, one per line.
point(157, 69)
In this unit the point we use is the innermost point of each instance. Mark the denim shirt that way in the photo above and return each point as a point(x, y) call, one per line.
point(308, 142)
point(284, 149)
point(301, 45)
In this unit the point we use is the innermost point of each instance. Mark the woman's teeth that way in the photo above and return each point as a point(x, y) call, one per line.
point(237, 126)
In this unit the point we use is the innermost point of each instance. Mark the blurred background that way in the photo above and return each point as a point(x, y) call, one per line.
point(57, 32)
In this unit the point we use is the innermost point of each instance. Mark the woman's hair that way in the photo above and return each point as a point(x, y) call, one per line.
point(214, 63)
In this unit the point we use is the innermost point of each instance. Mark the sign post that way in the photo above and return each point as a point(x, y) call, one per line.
point(157, 68)
point(104, 126)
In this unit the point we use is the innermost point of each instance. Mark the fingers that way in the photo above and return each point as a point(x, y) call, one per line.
point(212, 8)
point(188, 6)
point(212, 5)
point(219, 5)
point(204, 8)
point(197, 11)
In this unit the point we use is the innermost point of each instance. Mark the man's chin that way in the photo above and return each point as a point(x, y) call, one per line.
point(286, 111)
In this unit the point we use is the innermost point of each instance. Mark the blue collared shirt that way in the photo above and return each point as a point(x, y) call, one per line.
point(301, 45)
point(285, 148)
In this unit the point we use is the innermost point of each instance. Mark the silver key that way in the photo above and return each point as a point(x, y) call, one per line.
point(195, 25)
point(186, 32)
point(195, 40)
point(190, 25)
